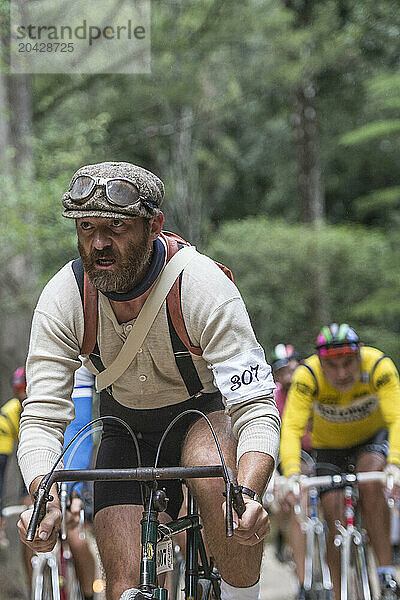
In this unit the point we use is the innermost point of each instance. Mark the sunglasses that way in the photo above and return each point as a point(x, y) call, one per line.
point(119, 190)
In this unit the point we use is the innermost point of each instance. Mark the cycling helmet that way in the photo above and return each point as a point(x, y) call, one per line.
point(337, 340)
point(19, 380)
point(281, 356)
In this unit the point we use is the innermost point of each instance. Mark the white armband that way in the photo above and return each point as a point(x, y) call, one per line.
point(244, 376)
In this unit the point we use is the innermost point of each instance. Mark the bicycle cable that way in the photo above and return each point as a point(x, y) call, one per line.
point(46, 478)
point(161, 442)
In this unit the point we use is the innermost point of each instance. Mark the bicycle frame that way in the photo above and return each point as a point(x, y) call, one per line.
point(348, 536)
point(67, 573)
point(195, 548)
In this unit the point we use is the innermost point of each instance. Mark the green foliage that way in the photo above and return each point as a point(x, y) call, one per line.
point(384, 202)
point(370, 131)
point(36, 240)
point(274, 265)
point(235, 67)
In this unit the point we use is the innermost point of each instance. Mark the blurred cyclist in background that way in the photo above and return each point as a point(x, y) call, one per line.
point(352, 393)
point(10, 414)
point(9, 428)
point(284, 362)
point(82, 396)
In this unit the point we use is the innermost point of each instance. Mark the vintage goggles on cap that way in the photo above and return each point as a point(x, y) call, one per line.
point(119, 190)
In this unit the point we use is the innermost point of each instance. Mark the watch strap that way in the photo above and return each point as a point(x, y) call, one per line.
point(251, 494)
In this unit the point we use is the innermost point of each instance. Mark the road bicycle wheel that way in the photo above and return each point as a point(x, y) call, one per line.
point(70, 588)
point(372, 570)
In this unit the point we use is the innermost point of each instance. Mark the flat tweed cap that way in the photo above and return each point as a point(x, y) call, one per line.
point(151, 189)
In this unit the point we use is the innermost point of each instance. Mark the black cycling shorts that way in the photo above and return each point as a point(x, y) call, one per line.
point(330, 461)
point(117, 450)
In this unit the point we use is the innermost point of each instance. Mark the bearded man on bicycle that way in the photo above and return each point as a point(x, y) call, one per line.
point(123, 251)
point(352, 394)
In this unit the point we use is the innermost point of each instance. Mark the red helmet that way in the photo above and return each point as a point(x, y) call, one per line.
point(19, 380)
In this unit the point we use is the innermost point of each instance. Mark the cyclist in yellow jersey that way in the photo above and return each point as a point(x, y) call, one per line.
point(352, 394)
point(10, 414)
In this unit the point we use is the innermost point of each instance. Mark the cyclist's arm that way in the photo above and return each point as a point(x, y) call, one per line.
point(386, 382)
point(9, 424)
point(3, 466)
point(52, 359)
point(217, 320)
point(295, 418)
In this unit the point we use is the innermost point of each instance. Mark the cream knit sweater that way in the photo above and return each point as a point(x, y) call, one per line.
point(216, 320)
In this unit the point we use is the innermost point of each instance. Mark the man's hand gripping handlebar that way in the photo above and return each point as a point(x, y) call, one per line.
point(47, 513)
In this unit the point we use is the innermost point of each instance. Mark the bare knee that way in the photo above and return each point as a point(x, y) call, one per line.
point(200, 448)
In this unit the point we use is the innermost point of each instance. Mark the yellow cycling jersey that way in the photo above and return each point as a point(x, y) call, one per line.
point(10, 414)
point(341, 419)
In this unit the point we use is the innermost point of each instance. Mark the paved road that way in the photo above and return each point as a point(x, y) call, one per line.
point(278, 581)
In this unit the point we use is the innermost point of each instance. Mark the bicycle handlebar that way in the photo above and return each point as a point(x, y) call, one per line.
point(343, 478)
point(141, 474)
point(333, 480)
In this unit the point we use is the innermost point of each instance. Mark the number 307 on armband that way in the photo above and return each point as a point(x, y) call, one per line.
point(248, 376)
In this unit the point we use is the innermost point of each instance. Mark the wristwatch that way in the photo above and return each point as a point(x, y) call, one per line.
point(251, 494)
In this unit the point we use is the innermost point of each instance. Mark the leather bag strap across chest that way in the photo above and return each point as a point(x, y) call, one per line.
point(145, 318)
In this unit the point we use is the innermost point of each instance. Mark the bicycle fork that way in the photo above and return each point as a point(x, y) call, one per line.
point(348, 536)
point(315, 534)
point(314, 531)
point(39, 563)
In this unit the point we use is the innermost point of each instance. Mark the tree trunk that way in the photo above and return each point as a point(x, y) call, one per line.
point(18, 275)
point(184, 208)
point(311, 192)
point(20, 102)
point(307, 142)
point(4, 126)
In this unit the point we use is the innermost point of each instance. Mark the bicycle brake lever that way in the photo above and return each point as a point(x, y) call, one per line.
point(234, 498)
point(64, 500)
point(82, 534)
point(237, 500)
point(228, 510)
point(389, 485)
point(41, 497)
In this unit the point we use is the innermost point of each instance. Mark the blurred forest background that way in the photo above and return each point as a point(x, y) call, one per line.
point(275, 125)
